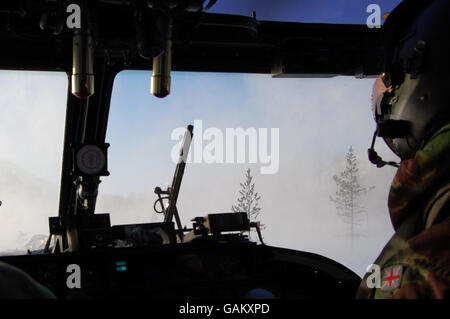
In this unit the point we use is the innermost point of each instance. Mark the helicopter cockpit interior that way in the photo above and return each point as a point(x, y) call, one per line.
point(96, 45)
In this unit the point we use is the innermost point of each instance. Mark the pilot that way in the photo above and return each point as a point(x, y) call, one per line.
point(411, 108)
point(16, 284)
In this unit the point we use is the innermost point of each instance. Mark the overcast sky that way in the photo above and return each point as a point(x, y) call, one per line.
point(318, 119)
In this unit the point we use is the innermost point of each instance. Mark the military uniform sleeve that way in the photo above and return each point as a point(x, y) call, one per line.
point(417, 282)
point(421, 285)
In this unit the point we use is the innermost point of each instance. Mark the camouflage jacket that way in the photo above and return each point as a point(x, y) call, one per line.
point(415, 262)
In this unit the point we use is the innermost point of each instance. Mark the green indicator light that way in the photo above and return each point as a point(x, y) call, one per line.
point(121, 265)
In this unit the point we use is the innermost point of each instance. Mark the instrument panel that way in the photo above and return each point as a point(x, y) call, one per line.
point(204, 269)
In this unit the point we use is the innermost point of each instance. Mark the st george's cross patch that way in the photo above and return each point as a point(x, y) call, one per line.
point(391, 278)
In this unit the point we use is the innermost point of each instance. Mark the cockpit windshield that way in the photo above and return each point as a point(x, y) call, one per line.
point(293, 135)
point(32, 114)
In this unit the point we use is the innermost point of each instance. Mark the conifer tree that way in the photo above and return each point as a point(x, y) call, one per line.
point(349, 195)
point(249, 199)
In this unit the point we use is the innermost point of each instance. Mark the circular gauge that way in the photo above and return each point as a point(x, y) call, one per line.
point(90, 159)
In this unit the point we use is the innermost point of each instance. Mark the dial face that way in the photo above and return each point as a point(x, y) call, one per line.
point(90, 159)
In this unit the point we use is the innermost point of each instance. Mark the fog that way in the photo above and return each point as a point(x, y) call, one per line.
point(318, 120)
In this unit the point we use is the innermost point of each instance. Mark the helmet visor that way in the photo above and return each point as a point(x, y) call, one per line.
point(378, 90)
point(379, 112)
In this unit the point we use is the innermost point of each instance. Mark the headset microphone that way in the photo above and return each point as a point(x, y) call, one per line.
point(374, 158)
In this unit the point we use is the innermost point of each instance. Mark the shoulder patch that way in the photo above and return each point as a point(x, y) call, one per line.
point(391, 278)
